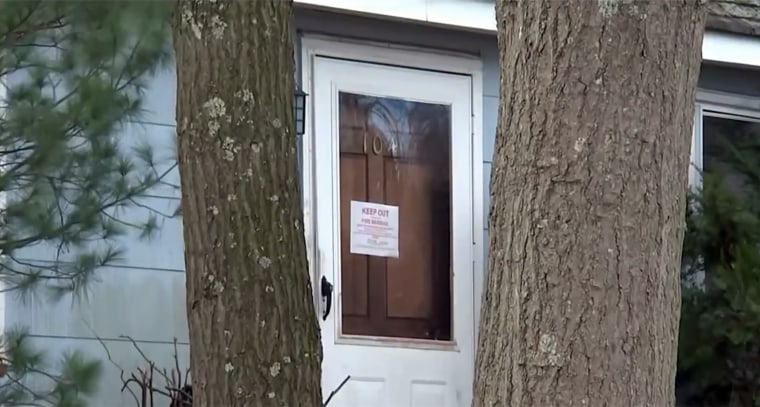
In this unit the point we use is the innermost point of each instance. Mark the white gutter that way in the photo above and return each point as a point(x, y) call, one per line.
point(731, 49)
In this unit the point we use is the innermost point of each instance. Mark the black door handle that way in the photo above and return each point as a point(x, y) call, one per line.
point(326, 290)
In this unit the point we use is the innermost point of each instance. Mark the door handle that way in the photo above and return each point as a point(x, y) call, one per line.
point(326, 289)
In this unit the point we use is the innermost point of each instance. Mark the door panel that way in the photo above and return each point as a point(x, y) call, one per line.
point(402, 327)
point(354, 291)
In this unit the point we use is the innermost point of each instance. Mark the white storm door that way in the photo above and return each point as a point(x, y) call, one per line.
point(401, 323)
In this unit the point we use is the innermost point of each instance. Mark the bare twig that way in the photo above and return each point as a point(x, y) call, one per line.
point(113, 362)
point(146, 358)
point(337, 389)
point(180, 394)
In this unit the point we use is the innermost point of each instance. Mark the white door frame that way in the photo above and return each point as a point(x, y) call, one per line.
point(409, 57)
point(3, 203)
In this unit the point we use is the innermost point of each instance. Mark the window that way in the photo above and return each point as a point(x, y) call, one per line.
point(724, 119)
point(716, 125)
point(397, 152)
point(720, 133)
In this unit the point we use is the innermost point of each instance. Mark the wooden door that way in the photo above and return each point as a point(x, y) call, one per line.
point(396, 152)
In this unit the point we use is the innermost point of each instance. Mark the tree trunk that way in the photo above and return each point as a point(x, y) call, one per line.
point(254, 336)
point(582, 298)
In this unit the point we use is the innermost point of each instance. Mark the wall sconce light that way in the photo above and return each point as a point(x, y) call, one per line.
point(299, 106)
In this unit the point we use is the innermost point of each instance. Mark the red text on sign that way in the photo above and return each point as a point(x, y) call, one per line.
point(375, 212)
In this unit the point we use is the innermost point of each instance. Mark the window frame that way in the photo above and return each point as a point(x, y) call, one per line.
point(722, 105)
point(726, 105)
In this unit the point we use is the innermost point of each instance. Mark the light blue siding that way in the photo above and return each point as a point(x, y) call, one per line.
point(490, 54)
point(142, 296)
point(146, 304)
point(486, 192)
point(160, 100)
point(123, 355)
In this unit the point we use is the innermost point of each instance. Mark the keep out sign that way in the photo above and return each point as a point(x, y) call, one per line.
point(374, 229)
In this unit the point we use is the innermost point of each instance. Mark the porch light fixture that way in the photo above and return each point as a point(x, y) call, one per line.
point(299, 106)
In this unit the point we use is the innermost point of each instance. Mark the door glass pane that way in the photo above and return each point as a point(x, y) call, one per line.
point(397, 152)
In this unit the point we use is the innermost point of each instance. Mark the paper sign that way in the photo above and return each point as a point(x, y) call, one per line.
point(374, 229)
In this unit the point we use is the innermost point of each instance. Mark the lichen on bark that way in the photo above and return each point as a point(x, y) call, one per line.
point(254, 336)
point(588, 187)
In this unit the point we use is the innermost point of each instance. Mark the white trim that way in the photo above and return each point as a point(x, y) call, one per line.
point(3, 294)
point(727, 102)
point(391, 54)
point(731, 49)
point(695, 165)
point(479, 15)
point(478, 212)
point(410, 57)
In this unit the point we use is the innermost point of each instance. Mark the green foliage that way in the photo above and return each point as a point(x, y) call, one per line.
point(719, 343)
point(77, 377)
point(73, 73)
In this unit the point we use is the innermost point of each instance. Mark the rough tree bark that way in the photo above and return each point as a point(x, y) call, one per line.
point(254, 336)
point(582, 297)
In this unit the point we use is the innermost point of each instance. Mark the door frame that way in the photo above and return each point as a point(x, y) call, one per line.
point(313, 45)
